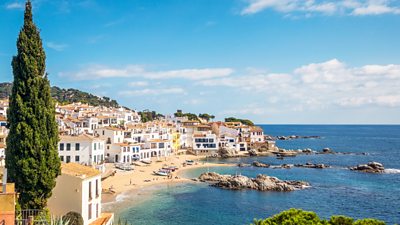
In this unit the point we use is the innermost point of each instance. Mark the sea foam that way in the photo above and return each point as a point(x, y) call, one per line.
point(392, 170)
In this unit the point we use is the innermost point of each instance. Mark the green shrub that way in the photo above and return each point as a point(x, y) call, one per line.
point(300, 217)
point(341, 220)
point(74, 218)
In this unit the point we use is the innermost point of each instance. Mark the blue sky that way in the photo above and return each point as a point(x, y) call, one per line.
point(272, 61)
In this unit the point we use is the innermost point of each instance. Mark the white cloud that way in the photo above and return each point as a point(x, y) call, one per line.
point(15, 5)
point(98, 71)
point(139, 84)
point(56, 47)
point(153, 91)
point(320, 85)
point(328, 7)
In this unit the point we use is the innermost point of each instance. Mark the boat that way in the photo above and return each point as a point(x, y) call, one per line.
point(170, 168)
point(162, 172)
point(146, 161)
point(124, 166)
point(189, 162)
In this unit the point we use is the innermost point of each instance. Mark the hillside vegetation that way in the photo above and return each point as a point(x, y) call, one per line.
point(66, 96)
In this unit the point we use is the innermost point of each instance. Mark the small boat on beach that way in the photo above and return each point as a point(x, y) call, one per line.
point(146, 161)
point(162, 172)
point(170, 168)
point(124, 166)
point(189, 162)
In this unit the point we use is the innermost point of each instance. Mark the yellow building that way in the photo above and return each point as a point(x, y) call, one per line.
point(175, 142)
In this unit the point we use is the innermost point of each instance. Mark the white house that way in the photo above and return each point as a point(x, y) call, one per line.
point(157, 148)
point(123, 152)
point(111, 135)
point(256, 134)
point(205, 143)
point(78, 189)
point(83, 149)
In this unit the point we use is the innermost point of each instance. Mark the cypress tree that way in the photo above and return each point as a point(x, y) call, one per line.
point(31, 156)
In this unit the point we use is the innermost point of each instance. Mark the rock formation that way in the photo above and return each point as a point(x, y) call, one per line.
point(371, 167)
point(259, 164)
point(261, 182)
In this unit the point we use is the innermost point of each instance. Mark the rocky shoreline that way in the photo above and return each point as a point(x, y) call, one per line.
point(371, 167)
point(260, 183)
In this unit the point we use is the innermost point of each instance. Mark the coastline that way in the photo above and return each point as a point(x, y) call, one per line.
point(142, 178)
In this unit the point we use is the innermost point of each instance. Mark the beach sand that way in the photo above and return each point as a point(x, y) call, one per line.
point(142, 176)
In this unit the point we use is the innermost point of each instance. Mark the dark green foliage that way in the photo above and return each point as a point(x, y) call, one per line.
point(190, 116)
point(291, 217)
point(300, 217)
point(206, 116)
point(369, 222)
point(243, 121)
point(31, 156)
point(147, 115)
point(5, 90)
point(341, 220)
point(73, 218)
point(67, 96)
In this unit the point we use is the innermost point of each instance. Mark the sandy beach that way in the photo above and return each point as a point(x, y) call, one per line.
point(142, 176)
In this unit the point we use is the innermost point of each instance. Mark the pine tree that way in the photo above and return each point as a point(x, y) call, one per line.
point(31, 156)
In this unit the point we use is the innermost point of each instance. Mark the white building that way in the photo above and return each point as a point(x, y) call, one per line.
point(157, 148)
point(78, 189)
point(83, 149)
point(205, 143)
point(256, 134)
point(123, 152)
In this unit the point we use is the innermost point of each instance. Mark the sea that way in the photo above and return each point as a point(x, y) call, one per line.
point(334, 191)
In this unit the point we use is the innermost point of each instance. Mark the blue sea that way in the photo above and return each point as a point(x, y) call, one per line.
point(334, 191)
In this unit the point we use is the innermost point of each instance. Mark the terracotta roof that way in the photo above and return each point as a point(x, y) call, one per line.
point(256, 129)
point(2, 118)
point(103, 219)
point(82, 137)
point(157, 140)
point(78, 170)
point(113, 128)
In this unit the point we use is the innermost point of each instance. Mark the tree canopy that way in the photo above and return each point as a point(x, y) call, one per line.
point(31, 156)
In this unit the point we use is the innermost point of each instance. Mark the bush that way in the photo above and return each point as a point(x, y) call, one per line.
point(300, 217)
point(73, 218)
point(341, 220)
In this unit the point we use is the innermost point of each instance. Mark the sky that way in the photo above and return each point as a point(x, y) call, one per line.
point(271, 61)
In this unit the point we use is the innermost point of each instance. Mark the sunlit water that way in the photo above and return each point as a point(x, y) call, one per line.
point(334, 191)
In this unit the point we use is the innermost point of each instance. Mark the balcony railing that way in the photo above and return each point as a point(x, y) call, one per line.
point(31, 217)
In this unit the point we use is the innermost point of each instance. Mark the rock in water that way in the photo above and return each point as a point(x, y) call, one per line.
point(252, 152)
point(261, 182)
point(371, 167)
point(259, 164)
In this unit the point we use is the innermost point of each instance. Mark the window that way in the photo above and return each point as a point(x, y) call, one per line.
point(103, 132)
point(97, 188)
point(68, 146)
point(160, 145)
point(108, 147)
point(90, 190)
point(77, 146)
point(89, 211)
point(94, 146)
point(77, 158)
point(61, 146)
point(97, 210)
point(68, 159)
point(94, 159)
point(62, 158)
